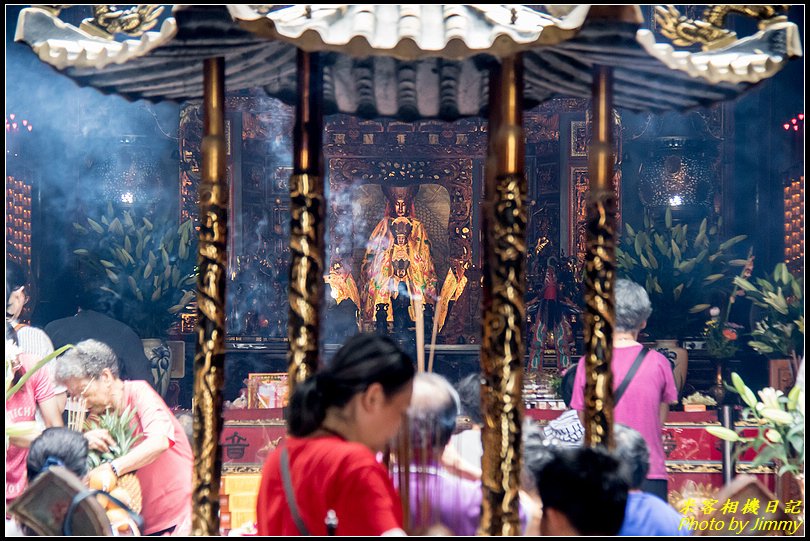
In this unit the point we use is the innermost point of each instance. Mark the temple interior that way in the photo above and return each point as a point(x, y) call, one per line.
point(702, 195)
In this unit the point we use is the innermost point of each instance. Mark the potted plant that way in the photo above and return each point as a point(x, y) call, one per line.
point(779, 330)
point(681, 267)
point(148, 266)
point(779, 422)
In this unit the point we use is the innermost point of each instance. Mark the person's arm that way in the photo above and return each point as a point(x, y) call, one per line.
point(51, 411)
point(669, 393)
point(146, 452)
point(49, 403)
point(98, 439)
point(578, 396)
point(61, 402)
point(533, 508)
point(455, 464)
point(664, 411)
point(155, 421)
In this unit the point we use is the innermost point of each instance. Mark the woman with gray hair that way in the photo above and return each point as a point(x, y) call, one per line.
point(161, 460)
point(643, 383)
point(645, 514)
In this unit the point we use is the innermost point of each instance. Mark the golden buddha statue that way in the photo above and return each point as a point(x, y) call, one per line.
point(397, 259)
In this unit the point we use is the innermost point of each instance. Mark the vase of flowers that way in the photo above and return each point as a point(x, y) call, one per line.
point(779, 420)
point(721, 334)
point(145, 262)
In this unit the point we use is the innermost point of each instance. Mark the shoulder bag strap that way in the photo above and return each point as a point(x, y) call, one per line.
point(288, 491)
point(632, 372)
point(67, 524)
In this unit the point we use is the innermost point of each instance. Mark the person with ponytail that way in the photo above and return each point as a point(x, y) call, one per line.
point(325, 478)
point(57, 446)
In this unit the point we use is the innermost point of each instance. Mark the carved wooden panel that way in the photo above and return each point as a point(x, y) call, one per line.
point(578, 192)
point(780, 375)
point(258, 151)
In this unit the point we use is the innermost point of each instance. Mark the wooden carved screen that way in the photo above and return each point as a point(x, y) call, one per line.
point(578, 182)
point(445, 159)
point(258, 151)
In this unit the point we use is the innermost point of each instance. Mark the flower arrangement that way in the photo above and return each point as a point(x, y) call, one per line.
point(780, 329)
point(780, 427)
point(721, 334)
point(678, 266)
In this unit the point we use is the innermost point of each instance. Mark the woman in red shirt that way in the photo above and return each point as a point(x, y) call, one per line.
point(339, 419)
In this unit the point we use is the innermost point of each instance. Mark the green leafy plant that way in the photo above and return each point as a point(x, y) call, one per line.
point(779, 421)
point(680, 267)
point(780, 329)
point(555, 384)
point(147, 265)
point(720, 333)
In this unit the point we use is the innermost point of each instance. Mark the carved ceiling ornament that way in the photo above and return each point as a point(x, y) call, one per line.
point(710, 31)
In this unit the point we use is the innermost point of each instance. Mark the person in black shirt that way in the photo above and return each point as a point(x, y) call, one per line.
point(90, 322)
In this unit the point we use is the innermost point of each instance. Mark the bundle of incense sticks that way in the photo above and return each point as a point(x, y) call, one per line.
point(419, 320)
point(77, 413)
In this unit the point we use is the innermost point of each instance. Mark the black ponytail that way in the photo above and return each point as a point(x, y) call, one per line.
point(363, 360)
point(57, 446)
point(307, 409)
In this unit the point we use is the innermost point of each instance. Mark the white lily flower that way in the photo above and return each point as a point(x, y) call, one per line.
point(773, 436)
point(723, 433)
point(770, 397)
point(778, 416)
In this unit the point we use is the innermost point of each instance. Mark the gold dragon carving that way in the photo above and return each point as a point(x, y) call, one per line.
point(108, 20)
point(710, 31)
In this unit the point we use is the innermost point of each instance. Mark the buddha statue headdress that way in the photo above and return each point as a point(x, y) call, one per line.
point(401, 227)
point(400, 200)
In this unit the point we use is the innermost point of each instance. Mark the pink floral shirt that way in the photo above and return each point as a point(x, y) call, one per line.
point(22, 406)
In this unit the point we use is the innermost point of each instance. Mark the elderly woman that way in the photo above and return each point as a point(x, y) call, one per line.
point(646, 377)
point(162, 459)
point(645, 514)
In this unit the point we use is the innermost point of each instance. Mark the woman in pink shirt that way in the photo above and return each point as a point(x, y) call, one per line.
point(37, 391)
point(645, 403)
point(162, 459)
